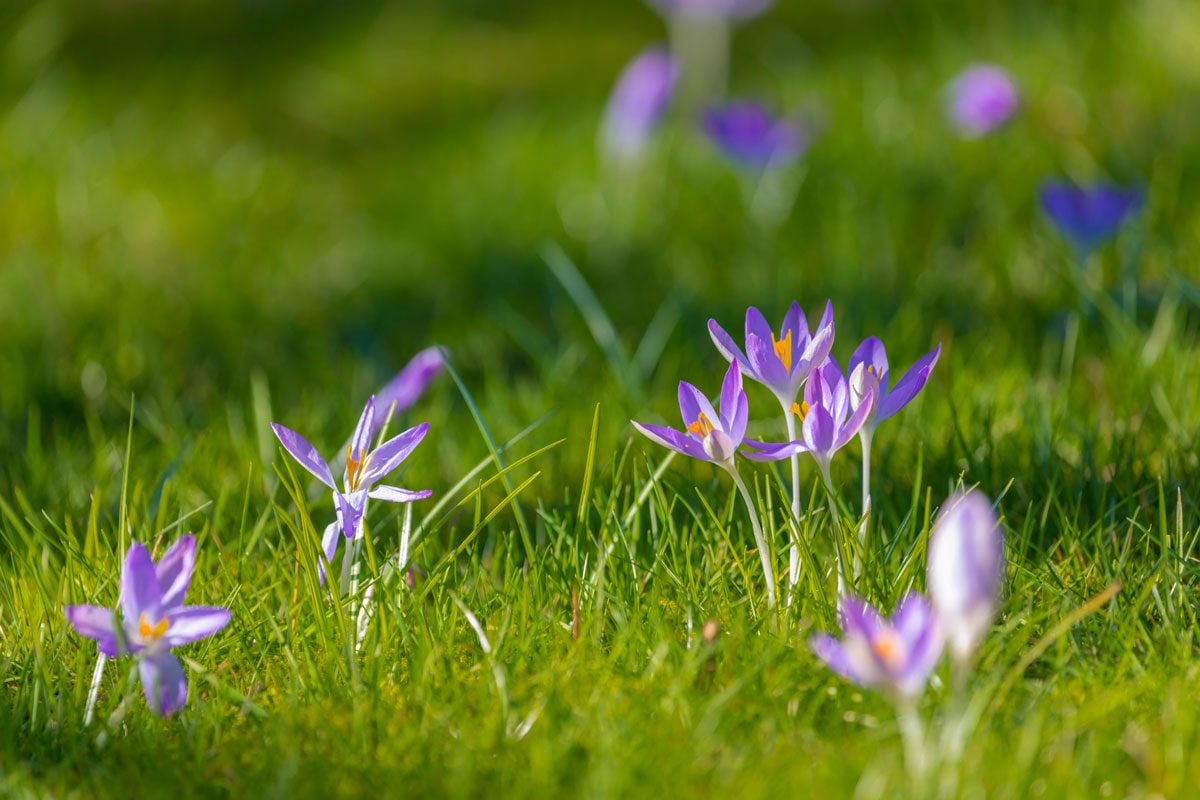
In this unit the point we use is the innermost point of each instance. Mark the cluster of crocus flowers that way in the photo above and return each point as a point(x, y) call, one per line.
point(151, 620)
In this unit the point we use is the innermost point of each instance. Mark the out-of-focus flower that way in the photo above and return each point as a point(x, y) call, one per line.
point(752, 137)
point(782, 363)
point(364, 468)
point(710, 436)
point(982, 98)
point(893, 656)
point(153, 620)
point(406, 388)
point(966, 566)
point(869, 371)
point(718, 9)
point(1088, 216)
point(639, 100)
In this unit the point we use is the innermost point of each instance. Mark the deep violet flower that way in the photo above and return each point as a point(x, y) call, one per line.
point(639, 100)
point(1088, 216)
point(893, 656)
point(365, 467)
point(869, 368)
point(966, 567)
point(749, 135)
point(151, 620)
point(981, 99)
point(712, 9)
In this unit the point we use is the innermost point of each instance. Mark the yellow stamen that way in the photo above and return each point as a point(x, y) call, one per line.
point(870, 369)
point(353, 468)
point(702, 427)
point(783, 349)
point(800, 410)
point(887, 647)
point(152, 633)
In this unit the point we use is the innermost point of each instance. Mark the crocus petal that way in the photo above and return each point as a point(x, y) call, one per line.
point(692, 403)
point(871, 352)
point(403, 391)
point(766, 364)
point(919, 628)
point(329, 543)
point(725, 344)
point(757, 325)
point(731, 392)
point(853, 425)
point(966, 568)
point(859, 618)
point(140, 592)
point(305, 454)
point(819, 431)
point(638, 102)
point(795, 323)
point(192, 623)
point(350, 509)
point(767, 451)
point(174, 571)
point(97, 624)
point(836, 657)
point(1089, 216)
point(673, 440)
point(360, 443)
point(982, 98)
point(163, 682)
point(907, 387)
point(815, 352)
point(394, 494)
point(389, 455)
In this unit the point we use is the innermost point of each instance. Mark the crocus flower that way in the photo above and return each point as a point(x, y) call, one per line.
point(750, 136)
point(639, 101)
point(364, 469)
point(152, 620)
point(869, 370)
point(894, 656)
point(712, 9)
point(966, 566)
point(406, 388)
point(1088, 216)
point(782, 363)
point(982, 98)
point(711, 436)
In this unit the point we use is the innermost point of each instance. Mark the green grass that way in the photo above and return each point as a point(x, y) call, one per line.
point(213, 220)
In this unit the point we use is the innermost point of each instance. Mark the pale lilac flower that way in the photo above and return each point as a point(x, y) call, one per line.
point(966, 567)
point(782, 363)
point(152, 620)
point(869, 370)
point(639, 100)
point(1088, 216)
point(406, 388)
point(982, 98)
point(710, 436)
point(712, 9)
point(893, 656)
point(364, 469)
point(752, 137)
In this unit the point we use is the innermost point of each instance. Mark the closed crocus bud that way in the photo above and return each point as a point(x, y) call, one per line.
point(966, 566)
point(638, 103)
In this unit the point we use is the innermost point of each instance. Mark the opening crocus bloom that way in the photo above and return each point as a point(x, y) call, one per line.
point(750, 136)
point(893, 656)
point(982, 98)
point(716, 9)
point(869, 372)
point(639, 101)
point(966, 567)
point(364, 469)
point(781, 363)
point(153, 620)
point(1088, 216)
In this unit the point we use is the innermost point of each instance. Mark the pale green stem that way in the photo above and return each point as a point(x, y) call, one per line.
point(835, 523)
point(794, 554)
point(864, 437)
point(764, 554)
point(912, 732)
point(89, 710)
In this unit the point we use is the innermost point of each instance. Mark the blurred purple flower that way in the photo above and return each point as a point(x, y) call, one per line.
point(718, 9)
point(153, 619)
point(1088, 216)
point(781, 364)
point(750, 136)
point(710, 436)
point(893, 656)
point(982, 98)
point(869, 370)
point(407, 387)
point(966, 567)
point(639, 101)
point(364, 468)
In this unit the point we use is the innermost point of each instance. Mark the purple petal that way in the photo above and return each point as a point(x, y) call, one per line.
point(872, 353)
point(912, 383)
point(360, 443)
point(638, 102)
point(815, 352)
point(731, 397)
point(410, 383)
point(819, 431)
point(692, 402)
point(836, 657)
point(163, 682)
point(767, 451)
point(966, 565)
point(389, 455)
point(918, 627)
point(751, 137)
point(982, 98)
point(192, 623)
point(97, 624)
point(757, 325)
point(350, 509)
point(305, 454)
point(725, 344)
point(140, 592)
point(673, 439)
point(394, 494)
point(795, 323)
point(329, 544)
point(766, 364)
point(174, 571)
point(853, 425)
point(859, 618)
point(1089, 216)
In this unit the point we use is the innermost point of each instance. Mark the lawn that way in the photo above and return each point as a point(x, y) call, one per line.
point(213, 218)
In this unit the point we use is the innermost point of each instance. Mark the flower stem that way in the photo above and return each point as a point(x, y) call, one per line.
point(912, 732)
point(794, 555)
point(865, 439)
point(764, 554)
point(835, 522)
point(89, 710)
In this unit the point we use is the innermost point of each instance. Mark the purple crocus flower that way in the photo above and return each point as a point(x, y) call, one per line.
point(750, 136)
point(966, 567)
point(364, 469)
point(894, 656)
point(982, 98)
point(712, 9)
point(639, 101)
point(869, 369)
point(1088, 216)
point(711, 436)
point(782, 363)
point(152, 620)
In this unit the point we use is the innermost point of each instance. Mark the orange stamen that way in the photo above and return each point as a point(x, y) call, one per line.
point(353, 468)
point(702, 427)
point(149, 632)
point(887, 647)
point(800, 410)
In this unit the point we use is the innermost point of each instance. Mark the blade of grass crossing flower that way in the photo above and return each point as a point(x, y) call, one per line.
point(586, 490)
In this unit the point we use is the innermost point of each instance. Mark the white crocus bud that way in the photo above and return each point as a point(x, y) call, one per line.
point(863, 384)
point(719, 446)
